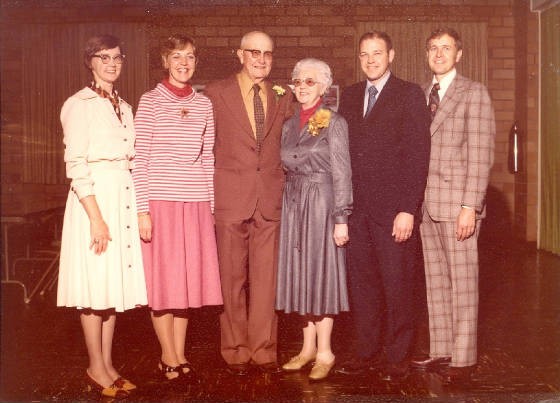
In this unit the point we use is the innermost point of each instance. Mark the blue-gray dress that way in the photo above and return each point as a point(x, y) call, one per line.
point(317, 194)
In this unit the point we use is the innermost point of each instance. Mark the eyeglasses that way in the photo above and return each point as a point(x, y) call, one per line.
point(105, 59)
point(308, 81)
point(256, 54)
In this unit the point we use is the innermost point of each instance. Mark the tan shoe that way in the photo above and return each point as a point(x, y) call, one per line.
point(320, 370)
point(124, 384)
point(296, 363)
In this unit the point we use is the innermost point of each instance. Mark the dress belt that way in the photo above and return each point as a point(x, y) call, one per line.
point(116, 164)
point(317, 177)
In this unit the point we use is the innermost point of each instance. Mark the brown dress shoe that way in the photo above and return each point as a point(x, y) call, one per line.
point(269, 368)
point(238, 369)
point(458, 375)
point(430, 363)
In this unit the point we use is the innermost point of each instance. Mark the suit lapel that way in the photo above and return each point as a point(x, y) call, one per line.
point(382, 99)
point(357, 106)
point(271, 108)
point(233, 101)
point(452, 97)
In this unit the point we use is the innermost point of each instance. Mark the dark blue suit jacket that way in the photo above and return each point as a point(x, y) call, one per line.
point(389, 149)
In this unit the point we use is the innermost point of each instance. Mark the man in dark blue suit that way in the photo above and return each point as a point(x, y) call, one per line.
point(389, 131)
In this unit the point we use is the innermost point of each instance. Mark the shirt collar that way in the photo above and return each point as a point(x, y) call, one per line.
point(246, 84)
point(380, 83)
point(445, 82)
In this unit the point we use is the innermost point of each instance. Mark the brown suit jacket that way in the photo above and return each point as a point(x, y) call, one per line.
point(243, 177)
point(462, 153)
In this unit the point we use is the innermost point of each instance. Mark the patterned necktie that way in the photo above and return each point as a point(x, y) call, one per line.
point(434, 100)
point(259, 115)
point(371, 100)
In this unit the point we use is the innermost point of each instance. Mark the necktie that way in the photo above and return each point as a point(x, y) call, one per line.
point(371, 100)
point(259, 115)
point(434, 100)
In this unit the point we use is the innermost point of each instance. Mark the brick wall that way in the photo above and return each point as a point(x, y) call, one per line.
point(322, 29)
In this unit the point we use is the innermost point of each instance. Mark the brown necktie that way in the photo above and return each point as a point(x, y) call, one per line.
point(434, 100)
point(259, 116)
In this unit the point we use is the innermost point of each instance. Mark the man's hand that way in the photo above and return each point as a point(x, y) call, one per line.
point(402, 226)
point(465, 223)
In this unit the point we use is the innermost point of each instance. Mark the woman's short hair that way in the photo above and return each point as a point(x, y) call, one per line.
point(176, 41)
point(324, 74)
point(100, 42)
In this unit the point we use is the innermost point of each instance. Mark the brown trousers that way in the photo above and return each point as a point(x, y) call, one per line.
point(248, 254)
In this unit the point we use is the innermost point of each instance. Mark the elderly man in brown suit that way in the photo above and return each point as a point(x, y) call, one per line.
point(463, 130)
point(249, 113)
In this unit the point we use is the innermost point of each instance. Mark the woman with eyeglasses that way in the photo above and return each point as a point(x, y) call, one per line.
point(101, 269)
point(315, 208)
point(173, 174)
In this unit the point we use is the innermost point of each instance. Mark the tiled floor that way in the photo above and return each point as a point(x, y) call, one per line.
point(43, 355)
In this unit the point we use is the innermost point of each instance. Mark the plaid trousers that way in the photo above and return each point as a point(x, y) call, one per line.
point(451, 269)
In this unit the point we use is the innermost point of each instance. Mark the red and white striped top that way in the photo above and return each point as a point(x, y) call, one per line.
point(174, 148)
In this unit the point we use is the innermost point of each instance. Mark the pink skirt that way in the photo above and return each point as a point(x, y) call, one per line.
point(181, 261)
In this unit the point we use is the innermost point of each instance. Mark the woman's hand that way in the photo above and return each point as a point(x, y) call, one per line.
point(100, 236)
point(340, 234)
point(145, 227)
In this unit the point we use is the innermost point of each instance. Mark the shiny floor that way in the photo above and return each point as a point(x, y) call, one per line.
point(44, 359)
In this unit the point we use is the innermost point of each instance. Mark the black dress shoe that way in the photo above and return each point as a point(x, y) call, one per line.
point(430, 363)
point(395, 371)
point(457, 375)
point(358, 366)
point(269, 368)
point(237, 369)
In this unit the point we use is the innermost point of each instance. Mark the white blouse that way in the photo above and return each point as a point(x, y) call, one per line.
point(93, 133)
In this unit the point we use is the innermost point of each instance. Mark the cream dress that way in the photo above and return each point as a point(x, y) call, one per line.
point(99, 148)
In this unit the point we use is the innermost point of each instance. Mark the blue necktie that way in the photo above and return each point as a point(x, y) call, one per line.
point(371, 101)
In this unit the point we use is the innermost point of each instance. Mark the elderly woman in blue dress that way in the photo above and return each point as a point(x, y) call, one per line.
point(316, 204)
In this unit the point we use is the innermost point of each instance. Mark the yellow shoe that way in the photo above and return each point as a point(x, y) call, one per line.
point(320, 370)
point(296, 363)
point(112, 391)
point(124, 384)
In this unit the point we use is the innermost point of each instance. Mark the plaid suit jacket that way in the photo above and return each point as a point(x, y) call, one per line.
point(462, 150)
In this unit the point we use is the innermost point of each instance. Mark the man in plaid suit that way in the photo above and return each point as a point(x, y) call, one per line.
point(462, 149)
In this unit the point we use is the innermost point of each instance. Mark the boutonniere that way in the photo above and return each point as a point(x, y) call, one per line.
point(184, 113)
point(278, 91)
point(319, 120)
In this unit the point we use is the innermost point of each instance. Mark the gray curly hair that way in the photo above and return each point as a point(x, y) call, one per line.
point(324, 74)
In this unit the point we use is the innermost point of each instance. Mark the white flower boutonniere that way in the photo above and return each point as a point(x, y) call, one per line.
point(278, 91)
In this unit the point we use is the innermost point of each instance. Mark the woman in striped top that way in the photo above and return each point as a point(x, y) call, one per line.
point(173, 175)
